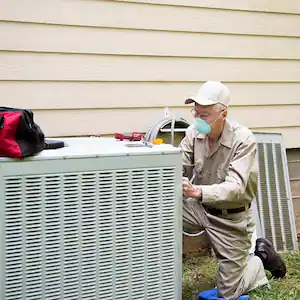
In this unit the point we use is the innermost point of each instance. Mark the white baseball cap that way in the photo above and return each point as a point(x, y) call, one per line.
point(210, 93)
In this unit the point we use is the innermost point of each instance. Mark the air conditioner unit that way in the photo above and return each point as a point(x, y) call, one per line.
point(94, 220)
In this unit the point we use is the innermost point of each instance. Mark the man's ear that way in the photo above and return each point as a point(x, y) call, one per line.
point(224, 114)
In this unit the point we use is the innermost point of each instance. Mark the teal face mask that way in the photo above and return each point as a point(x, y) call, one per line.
point(204, 127)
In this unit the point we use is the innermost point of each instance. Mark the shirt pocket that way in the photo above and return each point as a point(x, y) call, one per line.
point(198, 167)
point(198, 172)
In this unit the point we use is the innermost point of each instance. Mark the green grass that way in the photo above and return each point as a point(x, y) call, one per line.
point(200, 273)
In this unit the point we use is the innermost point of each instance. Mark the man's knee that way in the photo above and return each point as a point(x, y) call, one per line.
point(230, 278)
point(239, 277)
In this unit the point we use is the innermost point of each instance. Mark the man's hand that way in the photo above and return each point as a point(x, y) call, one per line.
point(190, 190)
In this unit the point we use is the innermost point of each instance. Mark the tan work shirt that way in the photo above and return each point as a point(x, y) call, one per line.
point(228, 175)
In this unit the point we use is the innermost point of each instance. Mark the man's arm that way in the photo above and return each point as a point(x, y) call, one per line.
point(187, 148)
point(238, 174)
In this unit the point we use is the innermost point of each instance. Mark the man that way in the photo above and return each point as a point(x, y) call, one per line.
point(221, 158)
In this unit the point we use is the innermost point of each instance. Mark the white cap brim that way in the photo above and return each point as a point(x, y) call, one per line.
point(203, 101)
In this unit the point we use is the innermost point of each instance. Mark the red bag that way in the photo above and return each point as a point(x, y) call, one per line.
point(20, 136)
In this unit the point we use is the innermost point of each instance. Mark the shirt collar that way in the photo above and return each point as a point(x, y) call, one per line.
point(227, 134)
point(201, 136)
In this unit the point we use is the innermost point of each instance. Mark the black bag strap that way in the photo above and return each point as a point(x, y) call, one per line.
point(53, 144)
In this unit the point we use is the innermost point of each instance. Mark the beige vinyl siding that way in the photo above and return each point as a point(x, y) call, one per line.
point(61, 95)
point(105, 66)
point(56, 66)
point(120, 14)
point(91, 121)
point(278, 6)
point(87, 40)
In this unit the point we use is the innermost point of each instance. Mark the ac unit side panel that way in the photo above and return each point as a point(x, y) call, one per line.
point(274, 195)
point(92, 229)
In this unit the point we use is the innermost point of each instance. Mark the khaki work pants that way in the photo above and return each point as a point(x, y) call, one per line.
point(230, 237)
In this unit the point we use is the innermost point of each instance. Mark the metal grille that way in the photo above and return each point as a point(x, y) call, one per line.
point(168, 224)
point(274, 197)
point(93, 235)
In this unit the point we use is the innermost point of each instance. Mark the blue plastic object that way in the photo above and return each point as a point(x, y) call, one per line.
point(212, 295)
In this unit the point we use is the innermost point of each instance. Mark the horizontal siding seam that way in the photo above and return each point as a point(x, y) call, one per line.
point(149, 55)
point(133, 107)
point(205, 7)
point(151, 29)
point(148, 81)
point(273, 127)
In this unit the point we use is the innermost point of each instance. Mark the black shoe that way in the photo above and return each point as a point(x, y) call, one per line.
point(272, 261)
